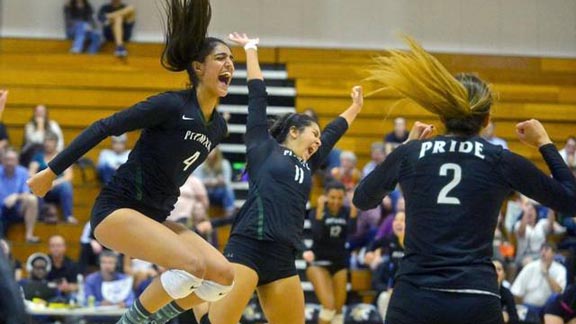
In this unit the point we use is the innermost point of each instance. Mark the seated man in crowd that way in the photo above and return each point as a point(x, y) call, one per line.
point(64, 271)
point(37, 286)
point(107, 286)
point(17, 203)
point(118, 20)
point(111, 159)
point(538, 281)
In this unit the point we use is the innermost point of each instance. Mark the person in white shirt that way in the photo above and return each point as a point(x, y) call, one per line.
point(539, 279)
point(110, 159)
point(531, 233)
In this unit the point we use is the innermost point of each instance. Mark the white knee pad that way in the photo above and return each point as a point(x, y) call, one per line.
point(338, 319)
point(179, 283)
point(327, 315)
point(211, 291)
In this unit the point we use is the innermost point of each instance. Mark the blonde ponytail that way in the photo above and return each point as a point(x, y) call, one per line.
point(420, 77)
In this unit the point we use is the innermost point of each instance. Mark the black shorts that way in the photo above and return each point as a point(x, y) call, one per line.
point(107, 203)
point(410, 304)
point(560, 305)
point(330, 263)
point(271, 260)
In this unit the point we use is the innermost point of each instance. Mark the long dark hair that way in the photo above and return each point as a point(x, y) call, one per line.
point(281, 127)
point(186, 28)
point(84, 13)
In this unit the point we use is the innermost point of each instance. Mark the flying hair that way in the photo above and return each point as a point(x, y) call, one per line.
point(418, 76)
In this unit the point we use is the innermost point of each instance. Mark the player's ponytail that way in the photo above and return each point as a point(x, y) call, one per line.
point(186, 28)
point(462, 102)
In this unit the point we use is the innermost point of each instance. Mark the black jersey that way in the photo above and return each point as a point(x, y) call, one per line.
point(330, 233)
point(280, 182)
point(175, 139)
point(454, 188)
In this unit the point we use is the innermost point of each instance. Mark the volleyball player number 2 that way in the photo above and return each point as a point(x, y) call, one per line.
point(456, 173)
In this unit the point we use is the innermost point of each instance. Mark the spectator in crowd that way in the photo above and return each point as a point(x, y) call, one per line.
point(89, 251)
point(509, 312)
point(118, 20)
point(35, 132)
point(110, 159)
point(377, 156)
point(17, 202)
point(489, 135)
point(398, 136)
point(531, 233)
point(62, 191)
point(193, 195)
point(81, 26)
point(568, 153)
point(538, 280)
point(15, 265)
point(383, 258)
point(216, 175)
point(37, 286)
point(64, 271)
point(107, 286)
point(347, 173)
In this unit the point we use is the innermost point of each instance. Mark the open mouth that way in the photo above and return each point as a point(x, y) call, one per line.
point(225, 78)
point(311, 151)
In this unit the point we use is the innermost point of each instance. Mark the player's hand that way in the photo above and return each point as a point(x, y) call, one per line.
point(357, 96)
point(420, 131)
point(322, 200)
point(3, 99)
point(41, 182)
point(242, 39)
point(308, 256)
point(531, 132)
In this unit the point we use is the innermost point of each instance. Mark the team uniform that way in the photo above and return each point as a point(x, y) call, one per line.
point(454, 187)
point(267, 231)
point(175, 140)
point(329, 236)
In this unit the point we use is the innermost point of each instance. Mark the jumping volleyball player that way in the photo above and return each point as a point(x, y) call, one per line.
point(179, 129)
point(454, 185)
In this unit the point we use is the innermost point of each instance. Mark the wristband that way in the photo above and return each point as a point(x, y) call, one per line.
point(251, 45)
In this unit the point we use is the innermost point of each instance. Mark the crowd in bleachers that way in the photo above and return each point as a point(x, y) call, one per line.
point(530, 266)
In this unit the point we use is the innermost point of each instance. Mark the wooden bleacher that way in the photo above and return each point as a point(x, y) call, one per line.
point(79, 89)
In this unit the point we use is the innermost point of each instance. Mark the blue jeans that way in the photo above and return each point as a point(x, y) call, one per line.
point(78, 32)
point(105, 173)
point(222, 196)
point(63, 195)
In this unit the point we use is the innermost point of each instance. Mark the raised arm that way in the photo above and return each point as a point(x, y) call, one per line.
point(559, 192)
point(336, 129)
point(145, 114)
point(257, 123)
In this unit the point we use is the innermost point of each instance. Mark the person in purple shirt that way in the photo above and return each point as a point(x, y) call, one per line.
point(107, 273)
point(17, 203)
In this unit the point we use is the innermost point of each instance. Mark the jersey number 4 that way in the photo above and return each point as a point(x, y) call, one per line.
point(189, 161)
point(443, 197)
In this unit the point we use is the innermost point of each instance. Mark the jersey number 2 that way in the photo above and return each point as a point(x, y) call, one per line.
point(443, 197)
point(189, 161)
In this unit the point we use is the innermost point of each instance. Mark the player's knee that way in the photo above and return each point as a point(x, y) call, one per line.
point(179, 283)
point(192, 264)
point(211, 291)
point(29, 200)
point(225, 273)
point(326, 315)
